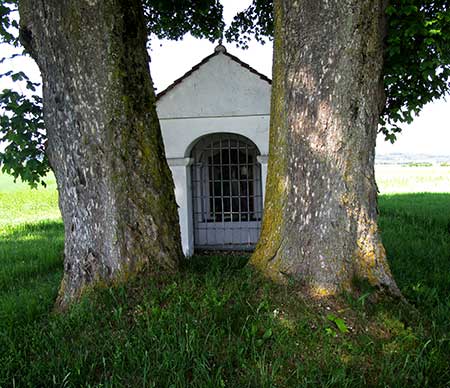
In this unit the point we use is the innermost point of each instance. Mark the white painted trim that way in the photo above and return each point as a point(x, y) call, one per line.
point(179, 161)
point(263, 159)
point(212, 117)
point(181, 173)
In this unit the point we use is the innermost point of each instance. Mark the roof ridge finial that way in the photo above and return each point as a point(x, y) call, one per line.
point(220, 48)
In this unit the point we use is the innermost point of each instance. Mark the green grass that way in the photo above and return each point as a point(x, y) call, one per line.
point(19, 204)
point(416, 233)
point(218, 323)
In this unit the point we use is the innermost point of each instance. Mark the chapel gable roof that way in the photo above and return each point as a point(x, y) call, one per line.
point(220, 49)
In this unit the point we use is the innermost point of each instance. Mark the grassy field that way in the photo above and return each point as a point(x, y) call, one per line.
point(19, 204)
point(404, 179)
point(218, 323)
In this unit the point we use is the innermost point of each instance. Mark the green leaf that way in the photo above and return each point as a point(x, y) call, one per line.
point(339, 322)
point(390, 10)
point(267, 334)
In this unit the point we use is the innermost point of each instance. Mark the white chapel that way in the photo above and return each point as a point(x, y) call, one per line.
point(215, 125)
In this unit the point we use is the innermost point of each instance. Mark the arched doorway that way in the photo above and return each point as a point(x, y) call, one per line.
point(226, 193)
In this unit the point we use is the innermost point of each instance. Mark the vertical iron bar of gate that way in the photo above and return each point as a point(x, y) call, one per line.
point(247, 219)
point(238, 150)
point(221, 187)
point(230, 179)
point(212, 193)
point(260, 191)
point(194, 196)
point(203, 189)
point(201, 217)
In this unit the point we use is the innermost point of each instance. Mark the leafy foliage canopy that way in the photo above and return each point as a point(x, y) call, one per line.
point(175, 18)
point(417, 55)
point(416, 71)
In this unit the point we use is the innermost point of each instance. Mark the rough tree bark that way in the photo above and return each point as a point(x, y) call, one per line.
point(104, 141)
point(320, 218)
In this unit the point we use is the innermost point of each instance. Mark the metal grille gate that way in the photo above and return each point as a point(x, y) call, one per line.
point(226, 193)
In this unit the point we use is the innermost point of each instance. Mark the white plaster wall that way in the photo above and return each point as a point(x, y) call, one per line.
point(183, 195)
point(220, 87)
point(180, 135)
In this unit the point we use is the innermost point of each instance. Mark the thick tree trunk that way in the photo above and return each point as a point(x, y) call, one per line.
point(320, 219)
point(104, 140)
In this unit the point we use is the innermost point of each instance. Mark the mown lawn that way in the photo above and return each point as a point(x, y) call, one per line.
point(218, 323)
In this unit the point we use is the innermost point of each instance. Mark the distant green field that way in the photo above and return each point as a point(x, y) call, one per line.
point(406, 179)
point(218, 323)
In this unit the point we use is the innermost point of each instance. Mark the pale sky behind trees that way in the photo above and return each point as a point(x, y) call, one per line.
point(428, 134)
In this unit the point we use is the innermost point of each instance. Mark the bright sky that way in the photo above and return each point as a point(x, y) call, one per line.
point(428, 134)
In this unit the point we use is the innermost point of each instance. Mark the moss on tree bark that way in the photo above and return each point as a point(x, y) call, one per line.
point(320, 220)
point(104, 141)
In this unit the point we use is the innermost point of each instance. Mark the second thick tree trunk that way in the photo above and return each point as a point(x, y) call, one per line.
point(104, 140)
point(320, 219)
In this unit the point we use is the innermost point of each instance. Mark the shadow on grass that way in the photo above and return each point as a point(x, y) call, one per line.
point(29, 251)
point(41, 229)
point(219, 323)
point(216, 262)
point(30, 271)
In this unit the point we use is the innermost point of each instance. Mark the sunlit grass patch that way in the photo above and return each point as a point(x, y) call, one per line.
point(19, 204)
point(406, 179)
